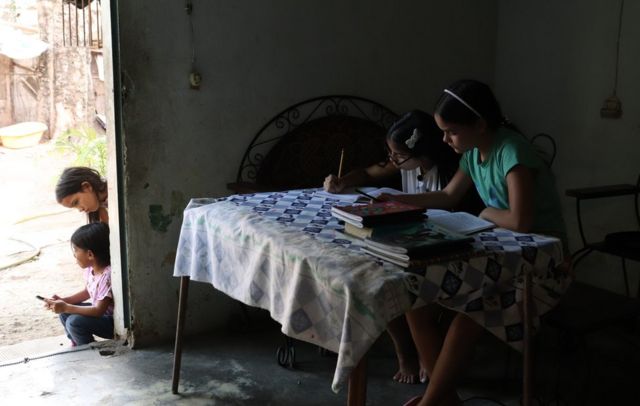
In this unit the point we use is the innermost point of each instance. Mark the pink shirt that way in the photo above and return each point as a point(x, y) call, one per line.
point(99, 287)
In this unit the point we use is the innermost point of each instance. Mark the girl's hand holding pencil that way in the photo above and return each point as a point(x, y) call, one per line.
point(333, 184)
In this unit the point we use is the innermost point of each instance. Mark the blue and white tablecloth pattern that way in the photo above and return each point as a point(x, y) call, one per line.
point(285, 253)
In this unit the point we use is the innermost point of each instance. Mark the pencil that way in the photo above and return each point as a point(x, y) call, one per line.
point(341, 161)
point(375, 199)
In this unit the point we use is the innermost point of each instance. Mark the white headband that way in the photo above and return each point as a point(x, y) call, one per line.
point(458, 98)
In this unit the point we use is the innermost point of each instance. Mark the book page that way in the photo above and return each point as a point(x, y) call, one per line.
point(461, 222)
point(348, 195)
point(377, 192)
point(437, 212)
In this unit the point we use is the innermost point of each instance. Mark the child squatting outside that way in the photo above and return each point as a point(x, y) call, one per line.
point(84, 189)
point(83, 320)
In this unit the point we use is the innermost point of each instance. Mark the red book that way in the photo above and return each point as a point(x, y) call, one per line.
point(377, 213)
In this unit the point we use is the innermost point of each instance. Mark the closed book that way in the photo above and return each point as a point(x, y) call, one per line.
point(420, 264)
point(364, 232)
point(377, 213)
point(403, 262)
point(417, 242)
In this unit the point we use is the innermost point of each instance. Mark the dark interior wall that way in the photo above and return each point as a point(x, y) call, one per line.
point(256, 58)
point(555, 66)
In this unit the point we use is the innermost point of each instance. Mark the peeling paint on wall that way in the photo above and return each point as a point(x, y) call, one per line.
point(161, 221)
point(169, 259)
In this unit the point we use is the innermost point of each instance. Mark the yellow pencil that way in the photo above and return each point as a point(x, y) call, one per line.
point(341, 161)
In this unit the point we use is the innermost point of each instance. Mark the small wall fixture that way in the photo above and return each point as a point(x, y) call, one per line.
point(612, 107)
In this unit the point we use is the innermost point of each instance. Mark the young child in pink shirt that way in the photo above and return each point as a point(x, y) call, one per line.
point(82, 320)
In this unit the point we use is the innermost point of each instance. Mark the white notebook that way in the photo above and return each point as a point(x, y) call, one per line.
point(458, 222)
point(351, 195)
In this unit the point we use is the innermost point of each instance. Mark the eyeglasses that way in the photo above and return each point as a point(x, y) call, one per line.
point(396, 158)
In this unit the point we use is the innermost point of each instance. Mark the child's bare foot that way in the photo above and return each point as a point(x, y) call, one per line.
point(423, 375)
point(408, 371)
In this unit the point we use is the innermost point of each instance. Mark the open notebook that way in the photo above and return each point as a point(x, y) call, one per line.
point(350, 194)
point(458, 222)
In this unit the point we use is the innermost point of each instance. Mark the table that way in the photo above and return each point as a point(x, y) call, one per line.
point(285, 253)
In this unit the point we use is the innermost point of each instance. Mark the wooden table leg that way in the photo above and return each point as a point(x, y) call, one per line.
point(177, 352)
point(357, 395)
point(527, 364)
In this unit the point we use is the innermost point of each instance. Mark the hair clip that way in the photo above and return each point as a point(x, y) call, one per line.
point(411, 141)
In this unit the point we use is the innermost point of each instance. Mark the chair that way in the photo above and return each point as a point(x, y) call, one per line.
point(546, 147)
point(623, 244)
point(585, 309)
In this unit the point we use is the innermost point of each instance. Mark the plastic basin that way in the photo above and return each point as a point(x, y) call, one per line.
point(22, 135)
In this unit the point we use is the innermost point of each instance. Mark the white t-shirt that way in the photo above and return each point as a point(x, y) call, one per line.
point(429, 182)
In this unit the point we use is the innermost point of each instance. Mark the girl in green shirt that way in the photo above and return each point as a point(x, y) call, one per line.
point(518, 189)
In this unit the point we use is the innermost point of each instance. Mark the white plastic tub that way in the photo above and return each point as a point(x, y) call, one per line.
point(22, 135)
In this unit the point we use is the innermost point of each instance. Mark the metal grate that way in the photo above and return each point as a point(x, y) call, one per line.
point(81, 23)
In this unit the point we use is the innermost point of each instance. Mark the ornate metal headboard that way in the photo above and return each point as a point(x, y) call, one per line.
point(301, 145)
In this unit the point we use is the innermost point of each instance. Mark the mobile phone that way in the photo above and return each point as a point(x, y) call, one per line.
point(39, 297)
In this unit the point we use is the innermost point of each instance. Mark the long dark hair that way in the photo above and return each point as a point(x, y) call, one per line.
point(429, 145)
point(94, 237)
point(481, 103)
point(71, 180)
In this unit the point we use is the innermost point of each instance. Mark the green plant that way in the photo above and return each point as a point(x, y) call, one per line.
point(89, 148)
point(10, 12)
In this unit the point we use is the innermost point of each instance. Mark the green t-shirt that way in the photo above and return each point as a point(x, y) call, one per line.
point(490, 178)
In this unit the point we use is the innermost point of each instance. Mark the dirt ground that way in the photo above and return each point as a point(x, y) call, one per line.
point(31, 219)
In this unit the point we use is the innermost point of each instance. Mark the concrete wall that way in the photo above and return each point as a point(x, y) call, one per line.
point(256, 58)
point(555, 67)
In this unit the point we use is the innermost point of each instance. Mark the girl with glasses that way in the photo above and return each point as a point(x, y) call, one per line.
point(415, 149)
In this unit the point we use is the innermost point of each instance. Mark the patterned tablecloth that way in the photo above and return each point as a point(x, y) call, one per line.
point(285, 253)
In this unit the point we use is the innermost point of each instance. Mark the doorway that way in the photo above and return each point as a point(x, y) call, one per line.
point(66, 88)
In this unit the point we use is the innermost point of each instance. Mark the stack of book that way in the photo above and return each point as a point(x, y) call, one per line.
point(404, 235)
point(417, 244)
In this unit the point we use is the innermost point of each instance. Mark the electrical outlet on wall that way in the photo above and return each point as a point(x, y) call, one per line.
point(612, 107)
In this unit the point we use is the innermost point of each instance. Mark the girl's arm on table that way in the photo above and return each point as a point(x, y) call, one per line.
point(446, 198)
point(93, 311)
point(359, 177)
point(519, 216)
